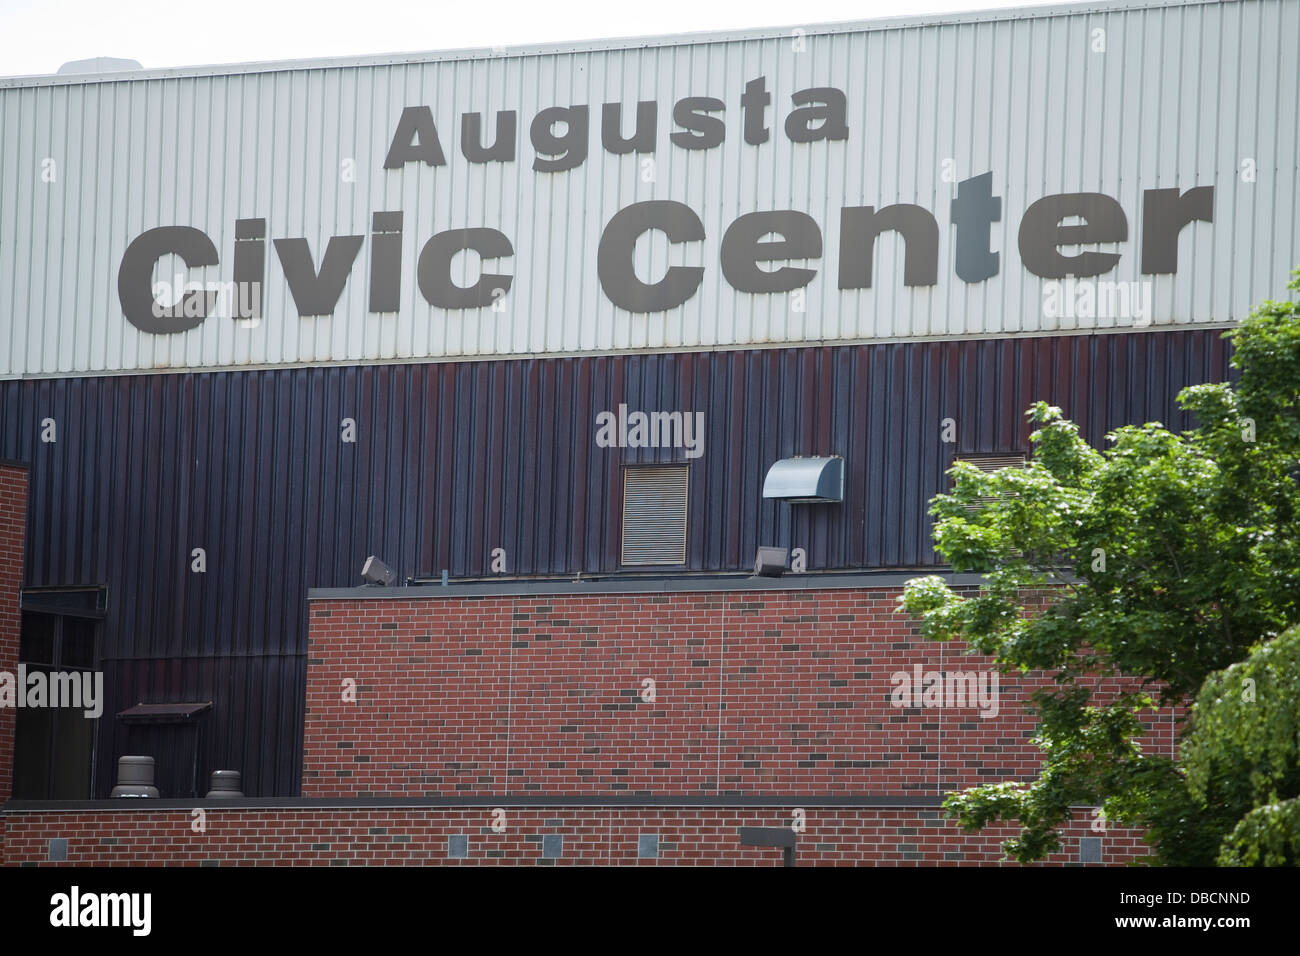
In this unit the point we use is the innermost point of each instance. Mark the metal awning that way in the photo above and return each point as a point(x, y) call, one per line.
point(89, 601)
point(163, 713)
point(806, 480)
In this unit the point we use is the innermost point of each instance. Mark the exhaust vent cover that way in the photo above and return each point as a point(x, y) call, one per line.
point(654, 514)
point(989, 464)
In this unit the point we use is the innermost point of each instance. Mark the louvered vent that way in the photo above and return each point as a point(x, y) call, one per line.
point(988, 464)
point(654, 514)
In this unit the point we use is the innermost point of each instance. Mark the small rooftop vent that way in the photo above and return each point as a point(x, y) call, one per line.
point(100, 64)
point(806, 480)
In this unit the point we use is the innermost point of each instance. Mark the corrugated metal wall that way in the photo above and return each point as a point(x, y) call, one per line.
point(1180, 96)
point(453, 460)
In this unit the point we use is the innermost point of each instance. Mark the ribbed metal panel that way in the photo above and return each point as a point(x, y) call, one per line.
point(452, 461)
point(654, 514)
point(1184, 95)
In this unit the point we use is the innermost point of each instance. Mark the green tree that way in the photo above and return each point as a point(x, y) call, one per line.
point(1169, 557)
point(1244, 748)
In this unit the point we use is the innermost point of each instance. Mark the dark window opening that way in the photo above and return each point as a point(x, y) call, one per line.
point(54, 746)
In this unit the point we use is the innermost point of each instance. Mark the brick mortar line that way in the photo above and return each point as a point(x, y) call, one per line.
point(722, 671)
point(510, 684)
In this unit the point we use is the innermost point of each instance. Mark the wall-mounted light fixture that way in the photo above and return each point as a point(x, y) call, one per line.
point(770, 562)
point(377, 573)
point(782, 837)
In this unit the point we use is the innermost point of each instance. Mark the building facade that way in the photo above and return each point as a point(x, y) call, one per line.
point(262, 322)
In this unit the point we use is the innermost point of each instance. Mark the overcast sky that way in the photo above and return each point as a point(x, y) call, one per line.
point(38, 36)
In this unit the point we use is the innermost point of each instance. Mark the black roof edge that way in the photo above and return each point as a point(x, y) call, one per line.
point(583, 802)
point(636, 585)
point(15, 463)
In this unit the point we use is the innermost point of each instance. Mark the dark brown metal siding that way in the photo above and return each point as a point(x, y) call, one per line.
point(453, 460)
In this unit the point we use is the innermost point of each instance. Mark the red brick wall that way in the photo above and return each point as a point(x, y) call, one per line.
point(770, 693)
point(687, 836)
point(13, 526)
point(757, 692)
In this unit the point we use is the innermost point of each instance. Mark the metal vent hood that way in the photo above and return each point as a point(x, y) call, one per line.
point(100, 64)
point(806, 480)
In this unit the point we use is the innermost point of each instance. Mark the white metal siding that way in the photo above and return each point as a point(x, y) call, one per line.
point(1181, 97)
